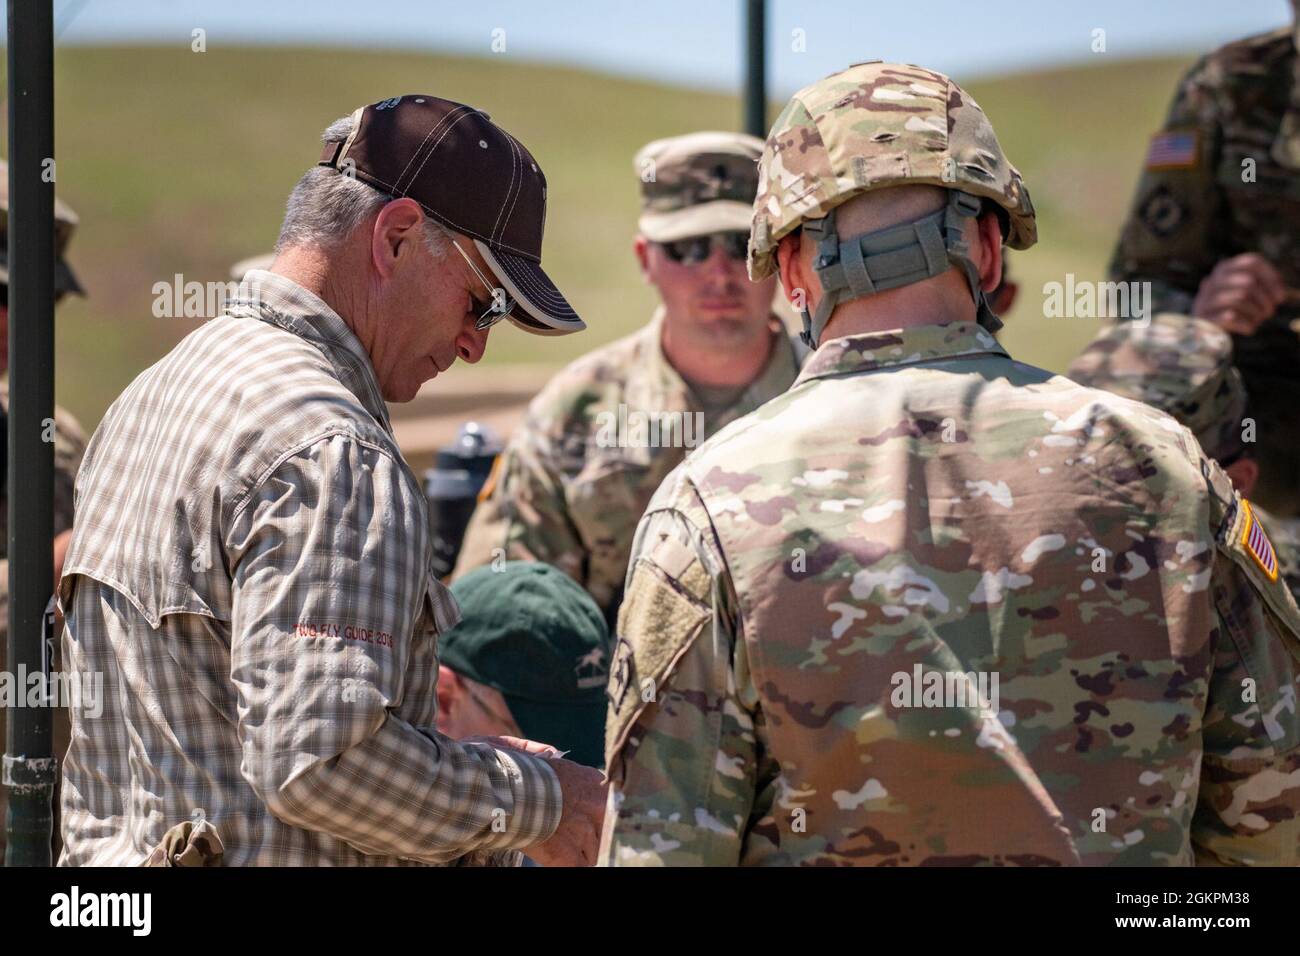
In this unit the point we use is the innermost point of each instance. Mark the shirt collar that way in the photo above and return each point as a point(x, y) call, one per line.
point(287, 305)
point(870, 351)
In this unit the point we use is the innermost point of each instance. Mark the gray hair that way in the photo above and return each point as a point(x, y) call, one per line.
point(327, 206)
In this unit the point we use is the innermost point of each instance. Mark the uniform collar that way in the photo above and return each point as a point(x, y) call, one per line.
point(868, 352)
point(287, 305)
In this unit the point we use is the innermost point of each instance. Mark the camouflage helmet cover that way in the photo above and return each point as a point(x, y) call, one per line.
point(1179, 364)
point(872, 126)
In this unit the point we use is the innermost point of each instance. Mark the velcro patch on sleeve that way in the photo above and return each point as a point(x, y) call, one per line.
point(1173, 149)
point(658, 622)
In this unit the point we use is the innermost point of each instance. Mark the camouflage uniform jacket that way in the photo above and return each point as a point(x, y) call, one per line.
point(578, 472)
point(1223, 178)
point(1195, 203)
point(920, 508)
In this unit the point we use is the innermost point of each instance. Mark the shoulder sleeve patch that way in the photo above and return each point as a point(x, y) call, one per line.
point(659, 620)
point(1255, 540)
point(1244, 540)
point(1173, 149)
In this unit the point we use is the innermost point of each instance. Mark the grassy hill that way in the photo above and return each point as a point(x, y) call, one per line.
point(179, 162)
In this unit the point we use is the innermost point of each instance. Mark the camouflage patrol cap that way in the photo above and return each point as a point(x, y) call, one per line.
point(872, 126)
point(1179, 364)
point(65, 224)
point(697, 184)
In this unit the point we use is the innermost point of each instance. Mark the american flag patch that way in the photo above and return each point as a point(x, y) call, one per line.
point(1175, 149)
point(1256, 542)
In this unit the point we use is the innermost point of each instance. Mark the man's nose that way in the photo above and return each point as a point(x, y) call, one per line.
point(720, 268)
point(471, 343)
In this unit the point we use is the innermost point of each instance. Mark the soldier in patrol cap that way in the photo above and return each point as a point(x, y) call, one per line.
point(602, 435)
point(1183, 365)
point(69, 439)
point(1215, 228)
point(933, 606)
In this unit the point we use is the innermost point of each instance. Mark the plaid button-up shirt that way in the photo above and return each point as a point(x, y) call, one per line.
point(250, 573)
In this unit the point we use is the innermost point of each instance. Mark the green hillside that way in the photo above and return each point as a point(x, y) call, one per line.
point(180, 162)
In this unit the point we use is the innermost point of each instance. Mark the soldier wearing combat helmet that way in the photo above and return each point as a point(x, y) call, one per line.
point(932, 605)
point(601, 436)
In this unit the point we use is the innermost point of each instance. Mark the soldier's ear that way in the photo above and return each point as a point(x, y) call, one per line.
point(641, 248)
point(796, 273)
point(989, 258)
point(1244, 473)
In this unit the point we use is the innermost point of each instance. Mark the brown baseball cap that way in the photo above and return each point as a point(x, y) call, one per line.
point(471, 176)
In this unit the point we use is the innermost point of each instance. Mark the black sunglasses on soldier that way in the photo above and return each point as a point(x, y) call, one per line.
point(696, 249)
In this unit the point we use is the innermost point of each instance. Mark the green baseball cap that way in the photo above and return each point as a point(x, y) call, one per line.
point(529, 631)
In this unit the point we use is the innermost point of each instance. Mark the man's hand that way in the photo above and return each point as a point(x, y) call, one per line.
point(576, 840)
point(1241, 294)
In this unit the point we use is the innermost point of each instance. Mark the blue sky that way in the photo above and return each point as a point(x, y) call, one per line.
point(697, 42)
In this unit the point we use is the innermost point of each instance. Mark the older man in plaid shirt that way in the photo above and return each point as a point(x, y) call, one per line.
point(250, 566)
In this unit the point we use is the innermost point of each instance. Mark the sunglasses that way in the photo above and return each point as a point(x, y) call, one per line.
point(696, 249)
point(501, 303)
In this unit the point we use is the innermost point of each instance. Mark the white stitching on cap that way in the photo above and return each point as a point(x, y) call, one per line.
point(527, 280)
point(445, 219)
point(427, 135)
point(432, 129)
point(539, 291)
point(549, 298)
point(434, 148)
point(533, 302)
point(536, 290)
point(514, 168)
point(515, 145)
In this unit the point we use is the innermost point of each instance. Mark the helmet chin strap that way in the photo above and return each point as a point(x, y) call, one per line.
point(892, 257)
